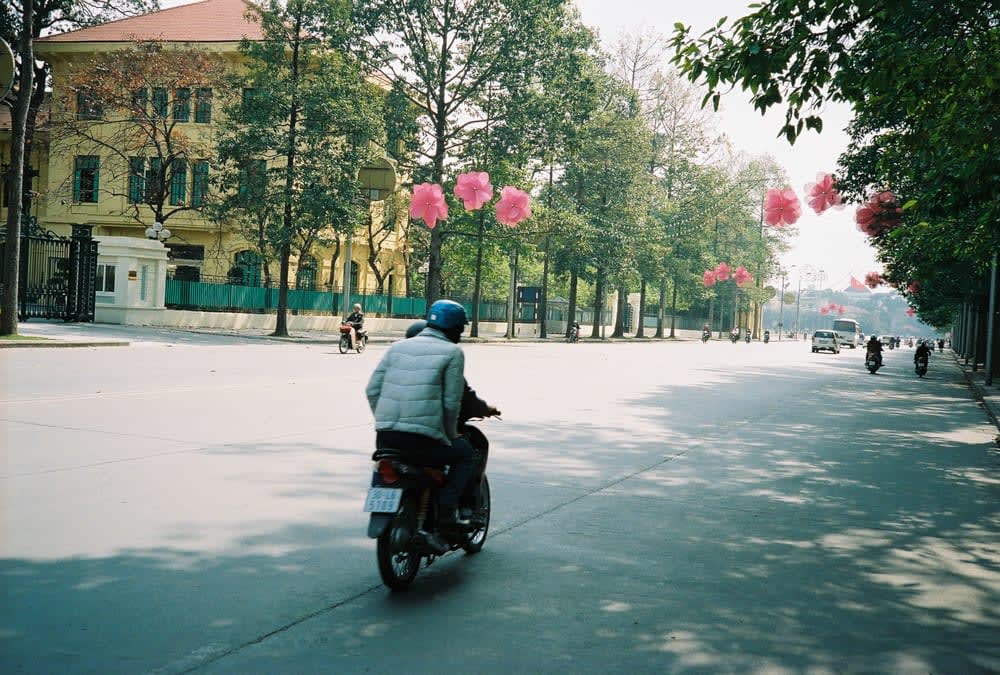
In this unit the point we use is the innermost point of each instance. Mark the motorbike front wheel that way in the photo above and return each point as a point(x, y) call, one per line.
point(474, 540)
point(398, 562)
point(345, 343)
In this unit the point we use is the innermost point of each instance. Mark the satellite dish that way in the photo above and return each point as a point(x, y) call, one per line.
point(7, 71)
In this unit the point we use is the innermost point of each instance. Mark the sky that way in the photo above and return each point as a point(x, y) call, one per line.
point(829, 242)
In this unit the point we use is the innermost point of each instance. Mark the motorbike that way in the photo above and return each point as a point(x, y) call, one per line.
point(872, 363)
point(361, 341)
point(767, 336)
point(747, 337)
point(734, 337)
point(706, 335)
point(921, 366)
point(404, 518)
point(573, 334)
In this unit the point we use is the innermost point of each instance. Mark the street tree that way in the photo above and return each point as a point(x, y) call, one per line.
point(293, 143)
point(444, 54)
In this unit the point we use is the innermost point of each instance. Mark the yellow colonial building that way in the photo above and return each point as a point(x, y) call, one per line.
point(92, 187)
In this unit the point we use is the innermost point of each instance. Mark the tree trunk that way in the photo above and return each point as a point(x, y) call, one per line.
point(619, 330)
point(660, 312)
point(598, 303)
point(571, 308)
point(673, 308)
point(640, 330)
point(12, 250)
point(543, 304)
point(477, 290)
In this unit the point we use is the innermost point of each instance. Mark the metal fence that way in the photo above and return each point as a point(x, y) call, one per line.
point(222, 295)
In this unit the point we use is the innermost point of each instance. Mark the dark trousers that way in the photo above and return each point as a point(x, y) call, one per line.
point(462, 459)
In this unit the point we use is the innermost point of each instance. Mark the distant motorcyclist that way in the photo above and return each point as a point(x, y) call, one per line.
point(356, 320)
point(922, 351)
point(874, 346)
point(734, 334)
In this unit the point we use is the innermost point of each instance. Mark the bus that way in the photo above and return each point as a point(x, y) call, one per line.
point(848, 332)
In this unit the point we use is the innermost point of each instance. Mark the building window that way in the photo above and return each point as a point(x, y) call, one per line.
point(178, 182)
point(104, 282)
point(182, 105)
point(154, 181)
point(253, 177)
point(354, 276)
point(203, 106)
point(136, 179)
point(199, 185)
point(140, 103)
point(87, 106)
point(251, 96)
point(86, 178)
point(305, 278)
point(161, 102)
point(246, 269)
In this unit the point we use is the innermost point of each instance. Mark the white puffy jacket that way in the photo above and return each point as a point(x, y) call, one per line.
point(417, 386)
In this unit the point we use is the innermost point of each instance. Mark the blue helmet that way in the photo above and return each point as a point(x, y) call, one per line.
point(447, 315)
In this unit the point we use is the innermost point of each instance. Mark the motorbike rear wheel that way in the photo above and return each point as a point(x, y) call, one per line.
point(362, 343)
point(398, 561)
point(474, 540)
point(345, 343)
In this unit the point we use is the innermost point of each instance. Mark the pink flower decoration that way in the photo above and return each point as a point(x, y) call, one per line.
point(913, 288)
point(823, 194)
point(842, 310)
point(741, 276)
point(781, 207)
point(824, 310)
point(879, 215)
point(428, 204)
point(722, 271)
point(474, 189)
point(708, 278)
point(513, 207)
point(910, 311)
point(873, 279)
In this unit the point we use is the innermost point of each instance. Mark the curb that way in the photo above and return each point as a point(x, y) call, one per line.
point(50, 343)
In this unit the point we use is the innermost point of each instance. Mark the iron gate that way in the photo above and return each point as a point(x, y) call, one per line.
point(56, 275)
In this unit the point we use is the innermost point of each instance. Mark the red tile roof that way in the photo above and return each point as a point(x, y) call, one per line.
point(205, 21)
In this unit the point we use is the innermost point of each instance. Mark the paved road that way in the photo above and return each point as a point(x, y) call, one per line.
point(194, 505)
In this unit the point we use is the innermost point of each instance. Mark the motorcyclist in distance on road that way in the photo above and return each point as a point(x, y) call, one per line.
point(922, 350)
point(356, 320)
point(875, 347)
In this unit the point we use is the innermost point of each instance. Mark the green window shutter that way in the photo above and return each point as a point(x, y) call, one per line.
point(199, 186)
point(160, 101)
point(203, 106)
point(136, 182)
point(182, 105)
point(178, 182)
point(95, 162)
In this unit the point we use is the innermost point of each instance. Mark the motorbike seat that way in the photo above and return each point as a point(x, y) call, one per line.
point(406, 466)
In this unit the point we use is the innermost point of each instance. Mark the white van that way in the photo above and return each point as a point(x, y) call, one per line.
point(849, 332)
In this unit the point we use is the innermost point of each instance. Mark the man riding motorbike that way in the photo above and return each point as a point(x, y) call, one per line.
point(922, 351)
point(356, 320)
point(874, 346)
point(416, 395)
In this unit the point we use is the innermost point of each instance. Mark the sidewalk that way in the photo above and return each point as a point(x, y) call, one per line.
point(61, 334)
point(989, 396)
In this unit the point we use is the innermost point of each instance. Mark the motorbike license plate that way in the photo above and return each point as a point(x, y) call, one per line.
point(383, 500)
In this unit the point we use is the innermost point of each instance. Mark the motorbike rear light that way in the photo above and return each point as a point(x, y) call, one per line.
point(387, 471)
